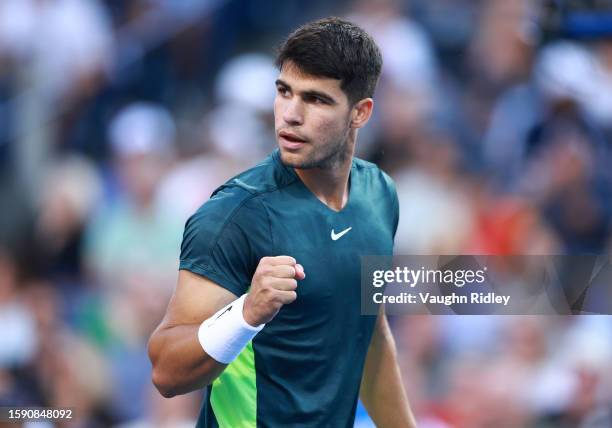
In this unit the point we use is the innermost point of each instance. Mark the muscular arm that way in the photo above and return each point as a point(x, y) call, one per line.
point(381, 391)
point(180, 365)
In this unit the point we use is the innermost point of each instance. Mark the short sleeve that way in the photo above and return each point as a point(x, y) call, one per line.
point(225, 239)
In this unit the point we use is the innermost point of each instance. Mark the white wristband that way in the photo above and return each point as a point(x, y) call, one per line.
point(226, 333)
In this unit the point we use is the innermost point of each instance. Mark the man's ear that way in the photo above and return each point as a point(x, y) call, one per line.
point(361, 112)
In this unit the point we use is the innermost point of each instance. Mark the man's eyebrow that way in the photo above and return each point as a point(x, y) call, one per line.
point(309, 93)
point(280, 82)
point(321, 95)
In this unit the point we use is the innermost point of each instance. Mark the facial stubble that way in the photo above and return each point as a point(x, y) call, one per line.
point(329, 156)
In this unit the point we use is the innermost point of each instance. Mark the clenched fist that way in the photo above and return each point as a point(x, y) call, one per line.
point(273, 285)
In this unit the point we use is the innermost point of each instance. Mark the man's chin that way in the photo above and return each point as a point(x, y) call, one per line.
point(291, 160)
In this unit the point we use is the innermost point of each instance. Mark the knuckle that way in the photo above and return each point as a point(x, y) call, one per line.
point(272, 271)
point(258, 281)
point(271, 282)
point(288, 282)
point(261, 283)
point(278, 299)
point(287, 259)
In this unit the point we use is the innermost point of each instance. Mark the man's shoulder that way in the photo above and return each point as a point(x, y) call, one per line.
point(374, 173)
point(267, 176)
point(242, 194)
point(362, 164)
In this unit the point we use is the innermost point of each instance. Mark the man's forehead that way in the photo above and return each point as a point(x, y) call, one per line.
point(292, 75)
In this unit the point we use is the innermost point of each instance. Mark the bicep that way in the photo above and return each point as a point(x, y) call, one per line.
point(195, 299)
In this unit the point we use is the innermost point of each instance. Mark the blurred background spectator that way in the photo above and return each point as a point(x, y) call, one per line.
point(118, 119)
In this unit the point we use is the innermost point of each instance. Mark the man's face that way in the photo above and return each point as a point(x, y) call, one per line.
point(312, 119)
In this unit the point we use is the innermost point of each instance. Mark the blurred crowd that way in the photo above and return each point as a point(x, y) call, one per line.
point(118, 119)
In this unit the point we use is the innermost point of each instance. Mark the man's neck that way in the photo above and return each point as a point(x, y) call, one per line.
point(331, 185)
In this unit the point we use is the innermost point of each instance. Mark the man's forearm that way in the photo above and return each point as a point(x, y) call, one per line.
point(180, 365)
point(382, 392)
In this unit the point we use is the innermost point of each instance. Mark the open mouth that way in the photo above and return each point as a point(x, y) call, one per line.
point(291, 141)
point(293, 138)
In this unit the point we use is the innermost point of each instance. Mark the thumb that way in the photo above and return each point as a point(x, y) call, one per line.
point(299, 272)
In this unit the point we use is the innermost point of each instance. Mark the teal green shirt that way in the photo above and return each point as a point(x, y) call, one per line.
point(304, 368)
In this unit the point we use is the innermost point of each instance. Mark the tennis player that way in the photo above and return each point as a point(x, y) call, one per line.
point(266, 312)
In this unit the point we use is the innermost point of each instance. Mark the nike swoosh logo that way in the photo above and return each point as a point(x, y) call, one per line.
point(336, 236)
point(227, 310)
point(211, 320)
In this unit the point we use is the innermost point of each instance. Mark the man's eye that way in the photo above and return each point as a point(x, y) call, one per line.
point(314, 100)
point(282, 91)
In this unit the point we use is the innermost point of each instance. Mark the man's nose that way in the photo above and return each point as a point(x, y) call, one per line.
point(293, 113)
